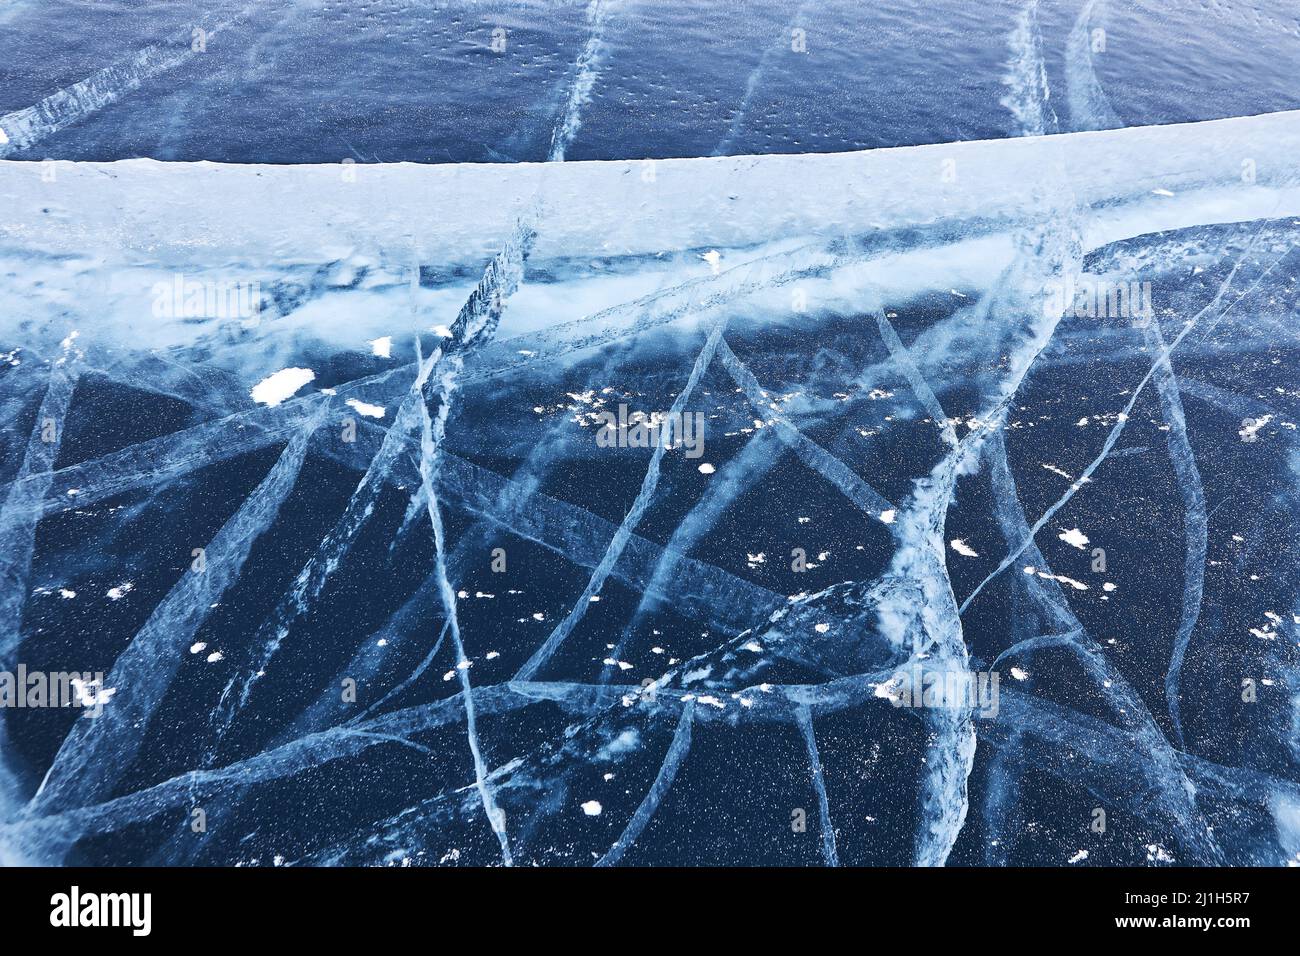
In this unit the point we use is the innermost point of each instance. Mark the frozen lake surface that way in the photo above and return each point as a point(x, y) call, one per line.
point(337, 349)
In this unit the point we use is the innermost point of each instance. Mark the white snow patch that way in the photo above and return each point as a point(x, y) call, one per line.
point(278, 386)
point(962, 548)
point(365, 408)
point(1077, 585)
point(1074, 537)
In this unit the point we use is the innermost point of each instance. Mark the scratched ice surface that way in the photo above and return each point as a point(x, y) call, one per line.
point(387, 478)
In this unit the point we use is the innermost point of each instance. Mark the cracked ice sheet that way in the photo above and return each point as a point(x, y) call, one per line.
point(767, 693)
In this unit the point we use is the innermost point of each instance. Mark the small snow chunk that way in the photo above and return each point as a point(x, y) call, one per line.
point(1074, 537)
point(962, 548)
point(278, 386)
point(365, 408)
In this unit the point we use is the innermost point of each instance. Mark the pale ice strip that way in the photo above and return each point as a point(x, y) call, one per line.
point(1160, 764)
point(853, 487)
point(1026, 77)
point(804, 718)
point(587, 71)
point(18, 520)
point(1115, 432)
point(1195, 521)
point(477, 319)
point(935, 628)
point(1090, 108)
point(312, 579)
point(755, 78)
point(21, 388)
point(735, 477)
point(677, 751)
point(475, 323)
point(329, 707)
point(21, 510)
point(177, 454)
point(458, 210)
point(411, 678)
point(153, 463)
point(702, 591)
point(277, 763)
point(1164, 776)
point(432, 434)
point(925, 395)
point(96, 753)
point(682, 301)
point(619, 541)
point(1046, 592)
point(60, 110)
point(1242, 406)
point(1002, 813)
point(1070, 640)
point(1020, 713)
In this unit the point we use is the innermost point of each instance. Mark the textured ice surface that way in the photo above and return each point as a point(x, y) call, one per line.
point(323, 495)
